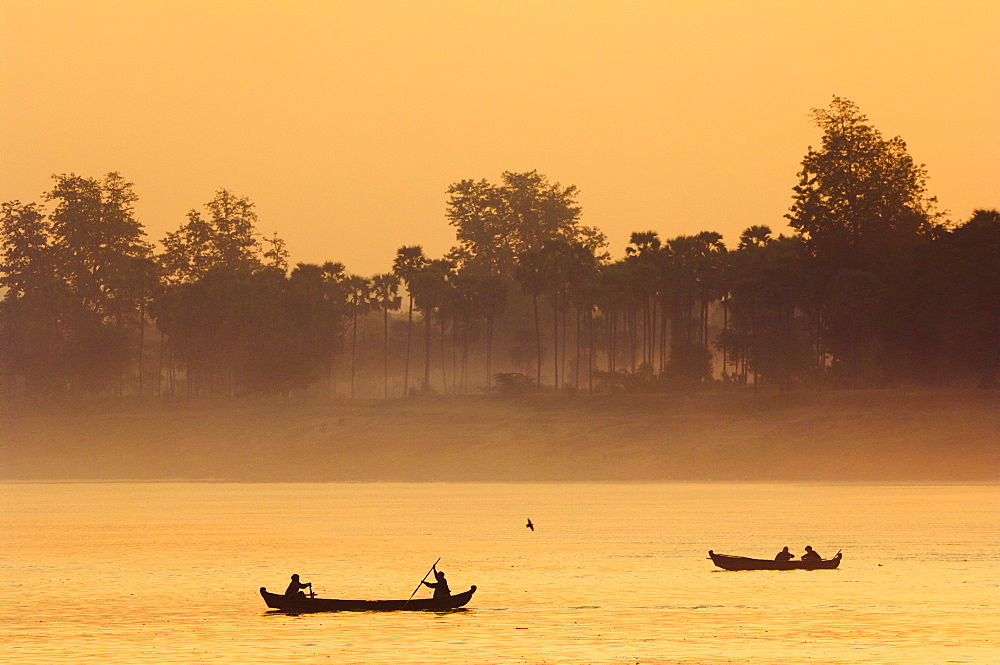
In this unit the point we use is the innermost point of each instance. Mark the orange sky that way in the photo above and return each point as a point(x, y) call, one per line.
point(345, 122)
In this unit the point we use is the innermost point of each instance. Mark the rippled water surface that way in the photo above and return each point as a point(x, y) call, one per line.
point(169, 573)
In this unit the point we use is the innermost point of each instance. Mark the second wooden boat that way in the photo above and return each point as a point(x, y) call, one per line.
point(729, 562)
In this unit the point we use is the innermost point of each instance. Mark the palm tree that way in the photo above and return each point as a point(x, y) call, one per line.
point(384, 294)
point(409, 261)
point(582, 294)
point(613, 302)
point(563, 267)
point(443, 294)
point(359, 297)
point(740, 300)
point(334, 278)
point(710, 269)
point(755, 236)
point(529, 273)
point(317, 307)
point(644, 256)
point(484, 294)
point(149, 279)
point(429, 286)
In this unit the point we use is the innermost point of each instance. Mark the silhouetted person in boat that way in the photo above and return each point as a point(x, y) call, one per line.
point(441, 590)
point(530, 525)
point(811, 555)
point(294, 587)
point(784, 555)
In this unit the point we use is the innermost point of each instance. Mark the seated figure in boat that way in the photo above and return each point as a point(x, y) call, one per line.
point(811, 554)
point(294, 587)
point(441, 590)
point(784, 555)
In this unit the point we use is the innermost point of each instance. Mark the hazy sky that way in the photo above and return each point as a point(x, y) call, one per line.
point(345, 122)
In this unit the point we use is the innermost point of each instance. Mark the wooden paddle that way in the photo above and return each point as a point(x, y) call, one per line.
point(421, 582)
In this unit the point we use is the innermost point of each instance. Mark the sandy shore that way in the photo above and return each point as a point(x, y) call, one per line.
point(834, 435)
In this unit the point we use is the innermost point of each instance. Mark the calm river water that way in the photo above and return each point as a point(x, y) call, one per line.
point(169, 573)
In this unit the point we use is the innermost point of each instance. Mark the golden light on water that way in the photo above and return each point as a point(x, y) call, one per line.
point(166, 573)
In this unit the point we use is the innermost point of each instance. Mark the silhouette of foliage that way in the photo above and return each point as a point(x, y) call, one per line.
point(871, 288)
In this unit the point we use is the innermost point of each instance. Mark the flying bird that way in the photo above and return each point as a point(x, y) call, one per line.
point(530, 525)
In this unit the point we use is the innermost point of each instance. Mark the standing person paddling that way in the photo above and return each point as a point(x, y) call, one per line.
point(294, 587)
point(441, 590)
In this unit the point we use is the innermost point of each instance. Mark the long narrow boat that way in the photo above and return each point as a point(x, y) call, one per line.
point(300, 604)
point(729, 562)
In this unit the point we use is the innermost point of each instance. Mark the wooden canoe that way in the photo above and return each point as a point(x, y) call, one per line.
point(299, 604)
point(728, 562)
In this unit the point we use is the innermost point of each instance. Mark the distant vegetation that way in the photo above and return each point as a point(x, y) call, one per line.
point(873, 288)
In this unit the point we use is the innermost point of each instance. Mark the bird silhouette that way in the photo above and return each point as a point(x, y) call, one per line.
point(530, 525)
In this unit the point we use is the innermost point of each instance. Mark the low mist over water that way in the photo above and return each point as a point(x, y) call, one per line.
point(836, 435)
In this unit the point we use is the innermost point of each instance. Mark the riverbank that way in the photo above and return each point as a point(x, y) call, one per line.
point(885, 436)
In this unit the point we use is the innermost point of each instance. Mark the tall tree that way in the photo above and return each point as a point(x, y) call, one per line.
point(496, 224)
point(385, 289)
point(35, 307)
point(359, 297)
point(25, 260)
point(966, 274)
point(484, 229)
point(645, 256)
point(862, 207)
point(275, 253)
point(430, 287)
point(235, 223)
point(768, 301)
point(319, 306)
point(226, 236)
point(69, 275)
point(558, 269)
point(189, 252)
point(530, 274)
point(94, 234)
point(132, 289)
point(861, 198)
point(409, 261)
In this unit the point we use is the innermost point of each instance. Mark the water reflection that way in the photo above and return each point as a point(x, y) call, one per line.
point(167, 573)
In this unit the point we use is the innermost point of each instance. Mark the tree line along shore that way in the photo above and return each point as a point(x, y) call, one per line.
point(874, 287)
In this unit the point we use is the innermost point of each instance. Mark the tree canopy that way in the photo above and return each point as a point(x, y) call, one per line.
point(496, 223)
point(861, 199)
